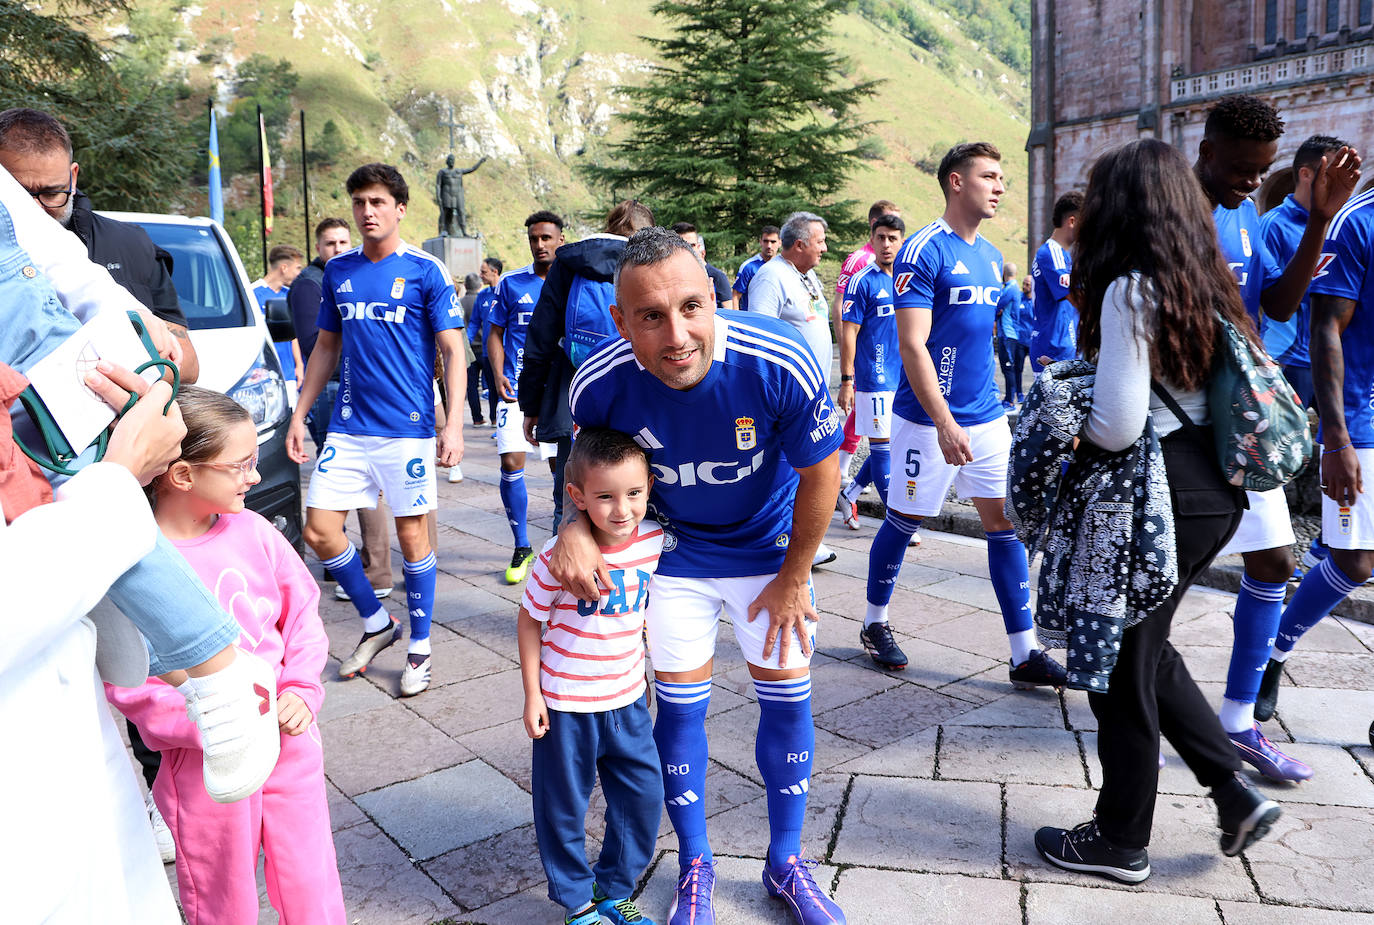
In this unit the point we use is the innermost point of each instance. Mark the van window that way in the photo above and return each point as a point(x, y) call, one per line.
point(204, 276)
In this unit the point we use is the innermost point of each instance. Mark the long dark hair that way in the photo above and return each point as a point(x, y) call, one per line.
point(1145, 212)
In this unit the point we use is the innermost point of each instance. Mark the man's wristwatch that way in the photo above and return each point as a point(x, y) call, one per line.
point(844, 379)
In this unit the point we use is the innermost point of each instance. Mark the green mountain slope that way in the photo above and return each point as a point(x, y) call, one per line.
point(532, 87)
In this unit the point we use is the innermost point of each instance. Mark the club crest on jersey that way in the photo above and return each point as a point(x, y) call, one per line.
point(1245, 242)
point(911, 490)
point(1345, 520)
point(746, 437)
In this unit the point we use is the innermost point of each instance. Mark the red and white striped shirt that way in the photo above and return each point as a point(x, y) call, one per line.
point(593, 656)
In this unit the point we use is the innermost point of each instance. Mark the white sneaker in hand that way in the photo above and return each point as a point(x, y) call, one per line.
point(455, 473)
point(236, 711)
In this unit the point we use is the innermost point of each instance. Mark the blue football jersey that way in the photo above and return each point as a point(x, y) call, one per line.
point(1281, 229)
point(516, 295)
point(1054, 330)
point(723, 452)
point(1238, 232)
point(262, 292)
point(479, 320)
point(959, 283)
point(742, 278)
point(1344, 271)
point(868, 302)
point(387, 313)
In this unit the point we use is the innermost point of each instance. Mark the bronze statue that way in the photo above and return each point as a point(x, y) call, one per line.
point(448, 192)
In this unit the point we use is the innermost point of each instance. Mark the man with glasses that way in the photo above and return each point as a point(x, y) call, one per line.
point(37, 151)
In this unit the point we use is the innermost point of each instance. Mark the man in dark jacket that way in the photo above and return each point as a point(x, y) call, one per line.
point(36, 149)
point(544, 380)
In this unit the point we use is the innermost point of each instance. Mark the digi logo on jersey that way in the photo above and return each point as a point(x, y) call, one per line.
point(372, 311)
point(974, 295)
point(707, 472)
point(827, 422)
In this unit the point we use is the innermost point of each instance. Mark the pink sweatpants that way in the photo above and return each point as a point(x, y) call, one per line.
point(218, 843)
point(851, 438)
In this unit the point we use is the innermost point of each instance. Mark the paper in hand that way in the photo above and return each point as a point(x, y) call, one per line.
point(60, 377)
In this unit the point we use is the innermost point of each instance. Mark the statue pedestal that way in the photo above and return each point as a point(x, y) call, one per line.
point(461, 255)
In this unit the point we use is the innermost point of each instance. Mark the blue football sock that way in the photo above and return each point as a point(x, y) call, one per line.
point(516, 500)
point(1010, 580)
point(347, 569)
point(1255, 624)
point(420, 596)
point(1322, 589)
point(865, 476)
point(680, 734)
point(885, 556)
point(786, 739)
point(880, 456)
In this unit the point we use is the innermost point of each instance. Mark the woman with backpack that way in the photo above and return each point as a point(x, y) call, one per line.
point(1150, 285)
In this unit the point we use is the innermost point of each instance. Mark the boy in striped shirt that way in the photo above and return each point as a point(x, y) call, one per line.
point(585, 706)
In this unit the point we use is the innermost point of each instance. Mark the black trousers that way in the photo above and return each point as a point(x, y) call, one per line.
point(477, 370)
point(1151, 691)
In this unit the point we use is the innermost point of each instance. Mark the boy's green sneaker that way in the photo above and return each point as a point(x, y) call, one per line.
point(618, 911)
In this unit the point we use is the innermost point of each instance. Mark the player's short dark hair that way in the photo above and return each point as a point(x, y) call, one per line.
point(328, 223)
point(379, 175)
point(682, 228)
point(542, 216)
point(599, 447)
point(651, 246)
point(881, 207)
point(1243, 117)
point(32, 131)
point(890, 221)
point(769, 229)
point(628, 217)
point(495, 263)
point(958, 157)
point(1311, 151)
point(282, 253)
point(1068, 204)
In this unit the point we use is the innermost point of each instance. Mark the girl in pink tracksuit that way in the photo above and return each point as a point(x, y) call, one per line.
point(257, 577)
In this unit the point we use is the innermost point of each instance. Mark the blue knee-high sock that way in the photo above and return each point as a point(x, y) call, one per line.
point(516, 501)
point(420, 599)
point(1010, 579)
point(885, 556)
point(1255, 624)
point(865, 476)
point(347, 569)
point(880, 456)
point(680, 734)
point(1322, 589)
point(786, 739)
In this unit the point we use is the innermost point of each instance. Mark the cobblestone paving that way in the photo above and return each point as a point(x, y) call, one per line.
point(928, 785)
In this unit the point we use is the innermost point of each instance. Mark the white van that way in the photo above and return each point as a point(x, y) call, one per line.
point(235, 350)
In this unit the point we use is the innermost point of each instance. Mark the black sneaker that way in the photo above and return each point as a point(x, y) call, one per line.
point(1083, 848)
point(1268, 699)
point(881, 647)
point(1244, 814)
point(1038, 671)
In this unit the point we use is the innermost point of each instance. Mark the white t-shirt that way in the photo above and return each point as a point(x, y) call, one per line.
point(778, 289)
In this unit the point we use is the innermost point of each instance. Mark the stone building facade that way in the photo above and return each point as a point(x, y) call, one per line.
point(1108, 71)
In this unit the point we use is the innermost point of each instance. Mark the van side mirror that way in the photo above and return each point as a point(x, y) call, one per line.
point(280, 325)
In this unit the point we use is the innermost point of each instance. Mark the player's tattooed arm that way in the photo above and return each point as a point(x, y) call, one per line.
point(1340, 467)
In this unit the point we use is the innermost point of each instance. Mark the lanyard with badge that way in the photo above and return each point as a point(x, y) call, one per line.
point(817, 306)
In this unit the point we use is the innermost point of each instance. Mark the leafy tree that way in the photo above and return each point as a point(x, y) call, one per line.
point(749, 116)
point(329, 146)
point(258, 81)
point(135, 146)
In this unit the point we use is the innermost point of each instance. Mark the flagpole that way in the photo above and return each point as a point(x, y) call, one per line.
point(305, 188)
point(262, 190)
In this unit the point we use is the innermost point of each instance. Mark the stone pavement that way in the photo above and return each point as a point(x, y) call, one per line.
point(928, 783)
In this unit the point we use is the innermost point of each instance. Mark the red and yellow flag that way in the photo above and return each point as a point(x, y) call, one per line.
point(266, 176)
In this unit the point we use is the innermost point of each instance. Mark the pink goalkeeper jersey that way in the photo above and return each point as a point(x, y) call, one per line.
point(593, 654)
point(853, 264)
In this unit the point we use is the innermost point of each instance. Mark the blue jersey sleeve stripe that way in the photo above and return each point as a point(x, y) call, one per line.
point(781, 345)
point(791, 367)
point(1359, 202)
point(918, 241)
point(1057, 253)
point(595, 369)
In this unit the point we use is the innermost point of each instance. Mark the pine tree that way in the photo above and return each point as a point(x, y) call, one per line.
point(748, 117)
